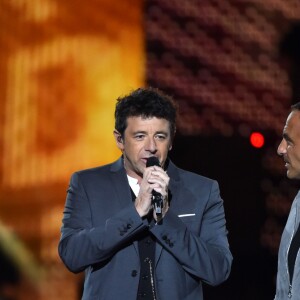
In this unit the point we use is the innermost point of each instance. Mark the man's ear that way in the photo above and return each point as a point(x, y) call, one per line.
point(119, 139)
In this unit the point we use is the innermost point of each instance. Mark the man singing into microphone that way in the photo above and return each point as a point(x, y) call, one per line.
point(140, 227)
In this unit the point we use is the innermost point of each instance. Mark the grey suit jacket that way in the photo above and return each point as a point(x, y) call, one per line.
point(100, 224)
point(283, 286)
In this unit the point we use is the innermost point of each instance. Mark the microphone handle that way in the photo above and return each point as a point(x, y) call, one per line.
point(157, 202)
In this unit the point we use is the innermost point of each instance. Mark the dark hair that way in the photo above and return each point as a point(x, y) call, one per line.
point(145, 102)
point(296, 106)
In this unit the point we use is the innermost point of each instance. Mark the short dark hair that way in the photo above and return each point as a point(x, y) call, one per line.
point(296, 106)
point(145, 102)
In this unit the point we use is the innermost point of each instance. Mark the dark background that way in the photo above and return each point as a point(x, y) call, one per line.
point(235, 164)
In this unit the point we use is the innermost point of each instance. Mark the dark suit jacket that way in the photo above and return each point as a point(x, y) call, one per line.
point(100, 224)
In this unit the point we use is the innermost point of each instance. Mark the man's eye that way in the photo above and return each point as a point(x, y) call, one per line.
point(289, 142)
point(139, 137)
point(160, 137)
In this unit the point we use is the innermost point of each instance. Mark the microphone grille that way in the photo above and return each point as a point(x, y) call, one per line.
point(152, 161)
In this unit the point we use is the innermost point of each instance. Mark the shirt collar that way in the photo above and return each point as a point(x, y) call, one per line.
point(134, 185)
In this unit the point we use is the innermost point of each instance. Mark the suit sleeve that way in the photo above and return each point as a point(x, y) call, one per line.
point(205, 253)
point(81, 243)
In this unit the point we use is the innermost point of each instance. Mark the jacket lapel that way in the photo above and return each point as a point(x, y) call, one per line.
point(121, 187)
point(120, 183)
point(173, 195)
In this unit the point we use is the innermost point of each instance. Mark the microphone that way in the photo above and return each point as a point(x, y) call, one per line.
point(157, 198)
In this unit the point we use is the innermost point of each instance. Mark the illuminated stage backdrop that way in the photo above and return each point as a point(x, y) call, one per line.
point(63, 63)
point(62, 66)
point(220, 60)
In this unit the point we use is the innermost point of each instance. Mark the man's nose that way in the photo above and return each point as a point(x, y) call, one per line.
point(151, 145)
point(281, 148)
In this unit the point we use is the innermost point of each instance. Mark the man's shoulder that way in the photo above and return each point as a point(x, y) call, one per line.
point(196, 179)
point(98, 170)
point(190, 176)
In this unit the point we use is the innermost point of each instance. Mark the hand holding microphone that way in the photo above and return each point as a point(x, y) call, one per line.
point(153, 192)
point(157, 197)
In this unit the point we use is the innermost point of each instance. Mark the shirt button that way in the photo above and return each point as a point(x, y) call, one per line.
point(133, 273)
point(164, 237)
point(129, 226)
